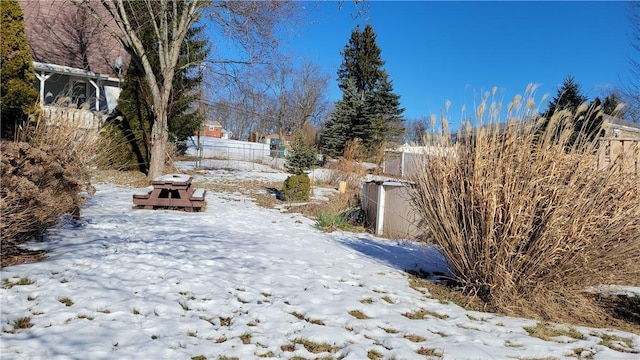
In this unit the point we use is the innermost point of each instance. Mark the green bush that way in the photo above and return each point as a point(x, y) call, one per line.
point(297, 188)
point(301, 157)
point(17, 93)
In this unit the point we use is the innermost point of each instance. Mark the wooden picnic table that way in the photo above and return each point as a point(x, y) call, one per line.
point(171, 191)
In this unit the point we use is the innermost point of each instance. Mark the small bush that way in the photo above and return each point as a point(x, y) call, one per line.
point(42, 179)
point(528, 223)
point(297, 188)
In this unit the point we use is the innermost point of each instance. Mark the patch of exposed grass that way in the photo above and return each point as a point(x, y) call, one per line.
point(615, 342)
point(414, 338)
point(316, 348)
point(446, 294)
point(332, 221)
point(199, 357)
point(245, 338)
point(307, 319)
point(429, 352)
point(366, 300)
point(268, 354)
point(85, 316)
point(582, 353)
point(374, 355)
point(390, 330)
point(547, 332)
point(358, 314)
point(22, 323)
point(66, 301)
point(509, 343)
point(8, 284)
point(388, 299)
point(225, 321)
point(288, 347)
point(421, 313)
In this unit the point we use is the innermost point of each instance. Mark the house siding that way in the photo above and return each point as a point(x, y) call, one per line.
point(60, 33)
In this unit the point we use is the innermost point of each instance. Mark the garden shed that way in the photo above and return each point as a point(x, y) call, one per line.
point(389, 209)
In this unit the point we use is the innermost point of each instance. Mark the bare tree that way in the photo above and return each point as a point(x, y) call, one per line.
point(308, 94)
point(417, 130)
point(250, 24)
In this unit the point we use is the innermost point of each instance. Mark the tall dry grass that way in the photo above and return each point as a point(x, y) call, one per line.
point(525, 220)
point(42, 177)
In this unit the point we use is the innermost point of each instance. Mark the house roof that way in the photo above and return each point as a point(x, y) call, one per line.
point(621, 123)
point(67, 70)
point(213, 123)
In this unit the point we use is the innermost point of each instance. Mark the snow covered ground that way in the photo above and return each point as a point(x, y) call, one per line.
point(241, 281)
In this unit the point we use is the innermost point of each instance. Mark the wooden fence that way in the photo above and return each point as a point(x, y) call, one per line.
point(624, 151)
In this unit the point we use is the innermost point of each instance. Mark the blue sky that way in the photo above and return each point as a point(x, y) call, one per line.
point(439, 51)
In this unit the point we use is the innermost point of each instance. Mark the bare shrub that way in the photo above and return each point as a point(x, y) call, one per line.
point(41, 179)
point(526, 221)
point(348, 167)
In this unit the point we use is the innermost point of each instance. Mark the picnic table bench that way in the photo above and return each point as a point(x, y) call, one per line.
point(172, 191)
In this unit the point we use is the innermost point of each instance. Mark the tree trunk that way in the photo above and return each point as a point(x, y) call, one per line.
point(159, 136)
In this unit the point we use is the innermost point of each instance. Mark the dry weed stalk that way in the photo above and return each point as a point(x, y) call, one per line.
point(526, 221)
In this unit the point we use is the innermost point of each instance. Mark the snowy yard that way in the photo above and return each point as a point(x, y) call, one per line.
point(241, 281)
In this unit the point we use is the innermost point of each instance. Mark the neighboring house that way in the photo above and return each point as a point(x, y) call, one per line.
point(213, 128)
point(275, 143)
point(78, 65)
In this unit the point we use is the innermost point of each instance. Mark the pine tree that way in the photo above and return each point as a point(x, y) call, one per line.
point(610, 106)
point(369, 110)
point(569, 97)
point(339, 129)
point(301, 157)
point(585, 125)
point(17, 92)
point(133, 117)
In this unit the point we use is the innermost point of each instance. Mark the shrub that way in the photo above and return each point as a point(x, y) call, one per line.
point(40, 180)
point(17, 93)
point(301, 157)
point(297, 187)
point(527, 223)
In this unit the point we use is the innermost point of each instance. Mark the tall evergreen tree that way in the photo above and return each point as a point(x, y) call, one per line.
point(339, 129)
point(133, 117)
point(585, 125)
point(569, 97)
point(369, 109)
point(17, 92)
point(610, 104)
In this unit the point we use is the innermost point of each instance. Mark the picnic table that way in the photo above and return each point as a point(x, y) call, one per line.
point(171, 191)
